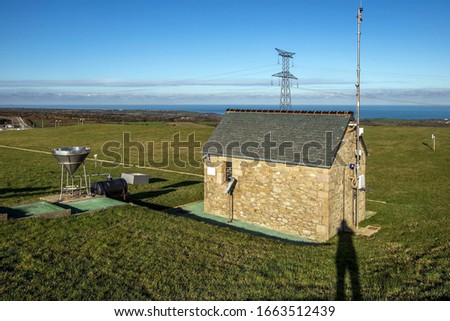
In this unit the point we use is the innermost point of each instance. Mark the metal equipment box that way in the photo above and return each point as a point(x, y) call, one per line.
point(135, 178)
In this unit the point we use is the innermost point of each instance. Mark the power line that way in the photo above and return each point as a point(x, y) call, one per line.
point(230, 72)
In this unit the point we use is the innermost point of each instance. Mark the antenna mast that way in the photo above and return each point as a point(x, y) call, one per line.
point(285, 75)
point(358, 102)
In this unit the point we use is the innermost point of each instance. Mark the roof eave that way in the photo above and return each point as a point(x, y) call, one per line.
point(287, 163)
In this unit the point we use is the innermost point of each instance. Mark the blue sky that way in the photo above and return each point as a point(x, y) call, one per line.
point(222, 51)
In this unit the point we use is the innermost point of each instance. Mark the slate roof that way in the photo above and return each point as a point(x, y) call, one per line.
point(307, 138)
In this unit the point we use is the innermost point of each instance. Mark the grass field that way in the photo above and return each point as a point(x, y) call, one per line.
point(141, 253)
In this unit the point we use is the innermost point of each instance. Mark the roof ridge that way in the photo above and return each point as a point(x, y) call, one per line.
point(275, 111)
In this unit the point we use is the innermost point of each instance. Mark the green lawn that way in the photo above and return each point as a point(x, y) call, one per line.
point(105, 139)
point(141, 253)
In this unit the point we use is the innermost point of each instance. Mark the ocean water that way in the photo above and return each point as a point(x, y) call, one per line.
point(366, 112)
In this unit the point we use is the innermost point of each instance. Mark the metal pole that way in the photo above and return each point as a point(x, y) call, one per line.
point(358, 103)
point(85, 180)
point(230, 208)
point(62, 182)
point(343, 194)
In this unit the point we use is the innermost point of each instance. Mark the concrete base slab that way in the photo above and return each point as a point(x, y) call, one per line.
point(36, 210)
point(369, 214)
point(45, 209)
point(89, 205)
point(369, 230)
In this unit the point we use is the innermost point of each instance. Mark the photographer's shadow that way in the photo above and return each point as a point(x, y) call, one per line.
point(346, 260)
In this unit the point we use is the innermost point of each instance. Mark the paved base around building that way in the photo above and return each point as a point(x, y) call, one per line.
point(196, 211)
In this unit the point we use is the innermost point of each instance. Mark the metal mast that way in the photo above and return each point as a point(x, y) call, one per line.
point(358, 102)
point(285, 75)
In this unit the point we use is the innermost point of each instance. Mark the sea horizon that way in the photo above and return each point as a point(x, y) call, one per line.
point(366, 111)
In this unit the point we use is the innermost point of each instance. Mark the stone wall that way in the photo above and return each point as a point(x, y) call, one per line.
point(292, 199)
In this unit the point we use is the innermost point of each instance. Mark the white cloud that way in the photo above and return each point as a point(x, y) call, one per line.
point(197, 92)
point(132, 83)
point(229, 81)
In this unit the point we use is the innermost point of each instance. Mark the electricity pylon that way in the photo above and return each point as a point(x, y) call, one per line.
point(285, 75)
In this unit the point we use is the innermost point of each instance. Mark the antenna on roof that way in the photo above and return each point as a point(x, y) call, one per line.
point(358, 103)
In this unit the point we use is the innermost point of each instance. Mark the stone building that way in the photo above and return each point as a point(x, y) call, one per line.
point(290, 171)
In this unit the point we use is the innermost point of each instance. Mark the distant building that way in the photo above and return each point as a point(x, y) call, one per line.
point(291, 170)
point(14, 122)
